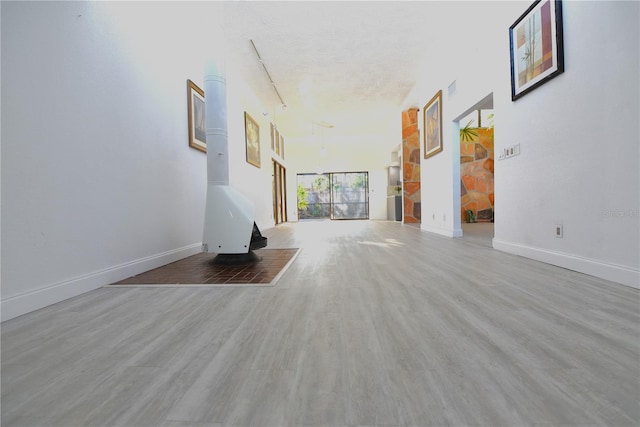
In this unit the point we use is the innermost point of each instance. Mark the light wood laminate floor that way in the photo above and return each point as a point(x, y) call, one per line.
point(375, 324)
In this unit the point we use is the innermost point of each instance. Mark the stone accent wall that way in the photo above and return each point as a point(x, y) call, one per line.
point(411, 165)
point(476, 175)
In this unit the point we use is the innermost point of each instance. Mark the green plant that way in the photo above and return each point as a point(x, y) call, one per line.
point(490, 118)
point(321, 183)
point(467, 133)
point(359, 181)
point(303, 203)
point(471, 217)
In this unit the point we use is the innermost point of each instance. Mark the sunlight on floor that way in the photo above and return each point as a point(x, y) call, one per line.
point(387, 243)
point(318, 236)
point(328, 229)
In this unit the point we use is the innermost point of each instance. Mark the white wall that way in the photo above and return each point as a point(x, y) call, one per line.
point(579, 139)
point(255, 183)
point(578, 133)
point(98, 181)
point(368, 153)
point(0, 162)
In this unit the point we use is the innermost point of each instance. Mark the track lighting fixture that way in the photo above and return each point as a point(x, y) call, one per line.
point(283, 105)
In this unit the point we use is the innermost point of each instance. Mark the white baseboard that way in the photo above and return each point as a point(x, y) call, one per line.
point(18, 305)
point(456, 232)
point(615, 273)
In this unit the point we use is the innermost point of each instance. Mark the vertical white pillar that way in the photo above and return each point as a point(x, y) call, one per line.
point(215, 99)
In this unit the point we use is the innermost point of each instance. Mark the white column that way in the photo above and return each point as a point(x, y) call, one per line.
point(215, 97)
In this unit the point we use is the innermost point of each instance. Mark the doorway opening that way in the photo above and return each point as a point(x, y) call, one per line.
point(279, 189)
point(336, 195)
point(477, 197)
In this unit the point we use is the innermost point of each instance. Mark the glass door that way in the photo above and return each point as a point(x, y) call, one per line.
point(314, 196)
point(350, 195)
point(343, 195)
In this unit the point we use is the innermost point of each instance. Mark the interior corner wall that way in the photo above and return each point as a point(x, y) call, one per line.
point(98, 180)
point(579, 132)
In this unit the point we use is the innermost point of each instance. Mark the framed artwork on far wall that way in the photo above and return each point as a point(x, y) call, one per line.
point(282, 146)
point(195, 108)
point(273, 135)
point(536, 44)
point(433, 126)
point(252, 140)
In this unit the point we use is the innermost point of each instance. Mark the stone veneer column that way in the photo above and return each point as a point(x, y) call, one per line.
point(411, 165)
point(476, 176)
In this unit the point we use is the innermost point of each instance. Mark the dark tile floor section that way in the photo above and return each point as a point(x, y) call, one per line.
point(198, 269)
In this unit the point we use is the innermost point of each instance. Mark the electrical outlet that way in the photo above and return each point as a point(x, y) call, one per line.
point(559, 231)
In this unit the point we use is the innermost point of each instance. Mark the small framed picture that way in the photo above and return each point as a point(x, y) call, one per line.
point(273, 136)
point(195, 107)
point(252, 140)
point(433, 126)
point(282, 146)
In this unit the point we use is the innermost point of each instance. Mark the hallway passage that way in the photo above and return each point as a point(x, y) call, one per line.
point(374, 324)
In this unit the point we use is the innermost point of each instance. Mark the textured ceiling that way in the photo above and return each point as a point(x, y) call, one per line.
point(350, 64)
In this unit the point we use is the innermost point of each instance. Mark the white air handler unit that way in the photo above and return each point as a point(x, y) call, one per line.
point(229, 226)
